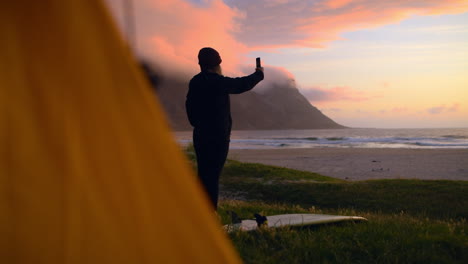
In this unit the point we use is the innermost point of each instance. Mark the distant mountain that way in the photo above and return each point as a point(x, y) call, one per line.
point(277, 108)
point(274, 108)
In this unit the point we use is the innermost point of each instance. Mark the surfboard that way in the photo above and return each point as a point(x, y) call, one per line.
point(275, 221)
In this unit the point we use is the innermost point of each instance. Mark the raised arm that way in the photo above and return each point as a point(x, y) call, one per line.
point(243, 84)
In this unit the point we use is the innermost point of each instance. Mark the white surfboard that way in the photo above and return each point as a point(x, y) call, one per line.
point(275, 221)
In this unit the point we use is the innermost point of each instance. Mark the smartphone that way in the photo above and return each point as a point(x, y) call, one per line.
point(259, 63)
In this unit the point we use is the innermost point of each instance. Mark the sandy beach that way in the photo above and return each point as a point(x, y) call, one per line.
point(365, 163)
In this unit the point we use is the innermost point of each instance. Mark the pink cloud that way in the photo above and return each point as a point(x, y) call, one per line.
point(337, 3)
point(314, 23)
point(443, 109)
point(333, 109)
point(399, 110)
point(171, 32)
point(454, 108)
point(339, 93)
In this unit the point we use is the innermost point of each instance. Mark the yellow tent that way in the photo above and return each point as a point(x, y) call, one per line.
point(89, 172)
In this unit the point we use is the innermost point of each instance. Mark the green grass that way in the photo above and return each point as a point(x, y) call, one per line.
point(254, 172)
point(386, 238)
point(434, 199)
point(410, 221)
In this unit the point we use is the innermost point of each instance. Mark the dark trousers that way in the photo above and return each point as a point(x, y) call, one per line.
point(211, 156)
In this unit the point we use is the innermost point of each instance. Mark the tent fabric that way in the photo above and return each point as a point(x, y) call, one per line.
point(89, 170)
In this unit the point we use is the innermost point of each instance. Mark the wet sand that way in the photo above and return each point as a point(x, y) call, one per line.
point(365, 164)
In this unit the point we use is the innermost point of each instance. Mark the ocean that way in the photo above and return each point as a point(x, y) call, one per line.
point(427, 138)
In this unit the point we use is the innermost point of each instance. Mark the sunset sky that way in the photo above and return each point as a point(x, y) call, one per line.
point(363, 63)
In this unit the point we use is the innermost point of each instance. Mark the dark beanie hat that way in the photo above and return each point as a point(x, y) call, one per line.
point(208, 57)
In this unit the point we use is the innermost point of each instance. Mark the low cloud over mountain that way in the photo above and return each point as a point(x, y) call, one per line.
point(276, 104)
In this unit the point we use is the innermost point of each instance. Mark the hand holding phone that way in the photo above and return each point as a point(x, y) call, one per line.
point(258, 65)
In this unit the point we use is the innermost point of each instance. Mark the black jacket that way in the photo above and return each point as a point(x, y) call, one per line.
point(208, 104)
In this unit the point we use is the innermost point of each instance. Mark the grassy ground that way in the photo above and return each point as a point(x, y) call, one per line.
point(410, 221)
point(433, 199)
point(386, 238)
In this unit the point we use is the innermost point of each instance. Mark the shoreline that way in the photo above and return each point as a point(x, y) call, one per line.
point(356, 164)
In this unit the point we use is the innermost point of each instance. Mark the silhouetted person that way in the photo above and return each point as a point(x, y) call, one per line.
point(208, 110)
